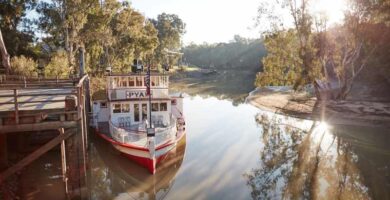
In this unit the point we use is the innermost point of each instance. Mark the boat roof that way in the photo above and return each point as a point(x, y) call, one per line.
point(138, 74)
point(101, 95)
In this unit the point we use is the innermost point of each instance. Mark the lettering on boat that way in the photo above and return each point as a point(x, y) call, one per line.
point(132, 94)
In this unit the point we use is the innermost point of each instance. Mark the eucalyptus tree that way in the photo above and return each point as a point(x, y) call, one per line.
point(112, 32)
point(300, 34)
point(98, 35)
point(62, 22)
point(282, 65)
point(16, 28)
point(4, 55)
point(134, 37)
point(344, 50)
point(170, 30)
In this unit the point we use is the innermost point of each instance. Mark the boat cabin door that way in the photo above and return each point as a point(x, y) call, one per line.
point(140, 112)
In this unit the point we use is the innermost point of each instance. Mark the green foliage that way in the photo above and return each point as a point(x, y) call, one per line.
point(170, 29)
point(98, 84)
point(241, 53)
point(133, 38)
point(282, 65)
point(304, 47)
point(63, 21)
point(21, 65)
point(339, 54)
point(58, 65)
point(16, 28)
point(112, 33)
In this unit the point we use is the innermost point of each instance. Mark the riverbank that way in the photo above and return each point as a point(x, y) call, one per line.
point(283, 100)
point(223, 84)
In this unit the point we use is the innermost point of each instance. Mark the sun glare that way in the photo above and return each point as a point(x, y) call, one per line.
point(333, 9)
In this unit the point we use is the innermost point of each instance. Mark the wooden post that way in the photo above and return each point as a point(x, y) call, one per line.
point(75, 170)
point(63, 161)
point(85, 123)
point(33, 156)
point(16, 106)
point(87, 106)
point(3, 151)
point(82, 129)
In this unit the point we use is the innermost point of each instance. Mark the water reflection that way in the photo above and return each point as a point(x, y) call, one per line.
point(305, 160)
point(281, 158)
point(115, 177)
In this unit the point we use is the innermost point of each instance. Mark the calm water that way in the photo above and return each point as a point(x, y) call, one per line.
point(241, 152)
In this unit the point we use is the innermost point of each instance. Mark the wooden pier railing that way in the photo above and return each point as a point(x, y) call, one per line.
point(36, 104)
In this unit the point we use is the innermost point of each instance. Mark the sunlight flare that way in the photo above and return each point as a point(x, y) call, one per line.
point(332, 9)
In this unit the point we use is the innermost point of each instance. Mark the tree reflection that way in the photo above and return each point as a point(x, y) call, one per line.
point(299, 163)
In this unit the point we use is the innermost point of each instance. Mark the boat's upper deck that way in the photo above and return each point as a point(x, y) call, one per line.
point(137, 80)
point(133, 86)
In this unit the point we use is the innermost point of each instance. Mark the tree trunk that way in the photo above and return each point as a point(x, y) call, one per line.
point(4, 55)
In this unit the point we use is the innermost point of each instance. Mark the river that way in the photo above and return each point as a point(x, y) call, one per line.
point(241, 152)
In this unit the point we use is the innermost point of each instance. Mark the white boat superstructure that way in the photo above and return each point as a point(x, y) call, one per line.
point(124, 114)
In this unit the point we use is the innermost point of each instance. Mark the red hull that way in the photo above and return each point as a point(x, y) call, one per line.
point(148, 163)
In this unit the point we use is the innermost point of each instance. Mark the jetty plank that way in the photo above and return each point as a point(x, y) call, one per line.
point(37, 126)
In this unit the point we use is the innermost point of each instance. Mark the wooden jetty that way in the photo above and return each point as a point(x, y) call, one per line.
point(33, 105)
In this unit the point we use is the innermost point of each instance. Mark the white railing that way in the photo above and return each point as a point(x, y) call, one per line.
point(165, 134)
point(138, 137)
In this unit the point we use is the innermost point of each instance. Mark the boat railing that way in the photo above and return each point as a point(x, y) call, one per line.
point(138, 136)
point(128, 136)
point(165, 134)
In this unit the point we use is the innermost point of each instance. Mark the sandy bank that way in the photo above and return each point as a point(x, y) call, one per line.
point(283, 100)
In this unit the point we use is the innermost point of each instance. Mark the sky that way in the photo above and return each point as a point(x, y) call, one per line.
point(214, 21)
point(209, 21)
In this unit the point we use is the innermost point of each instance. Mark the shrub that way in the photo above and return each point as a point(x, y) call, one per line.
point(58, 65)
point(24, 66)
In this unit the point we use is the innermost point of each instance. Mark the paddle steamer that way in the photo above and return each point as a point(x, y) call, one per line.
point(139, 117)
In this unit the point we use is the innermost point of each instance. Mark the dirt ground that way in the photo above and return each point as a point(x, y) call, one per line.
point(300, 104)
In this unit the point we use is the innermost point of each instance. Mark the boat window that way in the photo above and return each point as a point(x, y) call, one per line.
point(154, 107)
point(157, 79)
point(131, 81)
point(144, 111)
point(124, 82)
point(125, 108)
point(117, 82)
point(163, 81)
point(117, 108)
point(138, 81)
point(136, 112)
point(103, 105)
point(163, 107)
